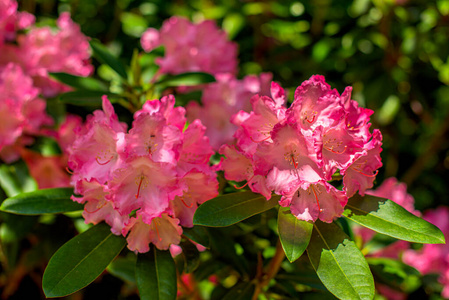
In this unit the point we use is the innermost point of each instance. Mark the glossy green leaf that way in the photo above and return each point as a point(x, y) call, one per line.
point(294, 234)
point(339, 264)
point(198, 234)
point(185, 79)
point(79, 261)
point(156, 275)
point(86, 98)
point(83, 83)
point(104, 56)
point(232, 208)
point(389, 218)
point(46, 201)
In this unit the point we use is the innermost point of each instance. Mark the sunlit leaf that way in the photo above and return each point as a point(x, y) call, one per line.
point(294, 234)
point(83, 83)
point(339, 263)
point(185, 79)
point(105, 57)
point(387, 217)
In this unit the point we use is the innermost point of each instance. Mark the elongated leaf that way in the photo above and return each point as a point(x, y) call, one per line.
point(79, 261)
point(104, 56)
point(197, 234)
point(15, 179)
point(83, 83)
point(232, 208)
point(387, 217)
point(294, 234)
point(86, 98)
point(185, 79)
point(156, 275)
point(339, 263)
point(46, 201)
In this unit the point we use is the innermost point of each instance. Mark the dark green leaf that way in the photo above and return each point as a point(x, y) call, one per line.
point(395, 273)
point(339, 263)
point(197, 234)
point(46, 201)
point(79, 261)
point(191, 256)
point(82, 83)
point(86, 98)
point(104, 56)
point(15, 179)
point(294, 234)
point(124, 268)
point(156, 275)
point(389, 218)
point(241, 291)
point(232, 208)
point(185, 79)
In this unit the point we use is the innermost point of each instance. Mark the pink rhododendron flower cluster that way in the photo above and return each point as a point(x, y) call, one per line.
point(294, 152)
point(146, 182)
point(192, 47)
point(223, 99)
point(433, 258)
point(11, 20)
point(21, 110)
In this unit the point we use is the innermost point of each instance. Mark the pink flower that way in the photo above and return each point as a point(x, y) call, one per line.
point(11, 20)
point(224, 99)
point(192, 47)
point(294, 152)
point(147, 182)
point(21, 111)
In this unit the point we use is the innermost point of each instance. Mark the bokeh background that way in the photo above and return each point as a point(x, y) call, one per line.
point(394, 53)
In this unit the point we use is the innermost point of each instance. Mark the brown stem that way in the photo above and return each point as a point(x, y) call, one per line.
point(271, 270)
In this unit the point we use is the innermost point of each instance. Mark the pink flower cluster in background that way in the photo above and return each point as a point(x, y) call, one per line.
point(192, 47)
point(25, 61)
point(433, 258)
point(145, 183)
point(294, 152)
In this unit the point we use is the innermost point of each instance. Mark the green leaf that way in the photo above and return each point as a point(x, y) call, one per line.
point(232, 208)
point(82, 83)
point(156, 275)
point(185, 79)
point(79, 261)
point(339, 263)
point(124, 268)
point(46, 201)
point(294, 234)
point(395, 273)
point(389, 218)
point(86, 98)
point(197, 234)
point(104, 56)
point(15, 179)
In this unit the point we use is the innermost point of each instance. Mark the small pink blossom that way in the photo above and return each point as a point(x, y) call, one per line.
point(11, 20)
point(192, 47)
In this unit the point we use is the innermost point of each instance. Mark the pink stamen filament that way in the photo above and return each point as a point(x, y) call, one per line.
point(103, 163)
point(183, 202)
point(140, 185)
point(367, 175)
point(313, 119)
point(336, 152)
point(239, 188)
point(269, 136)
point(317, 201)
point(295, 164)
point(97, 209)
point(69, 171)
point(157, 230)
